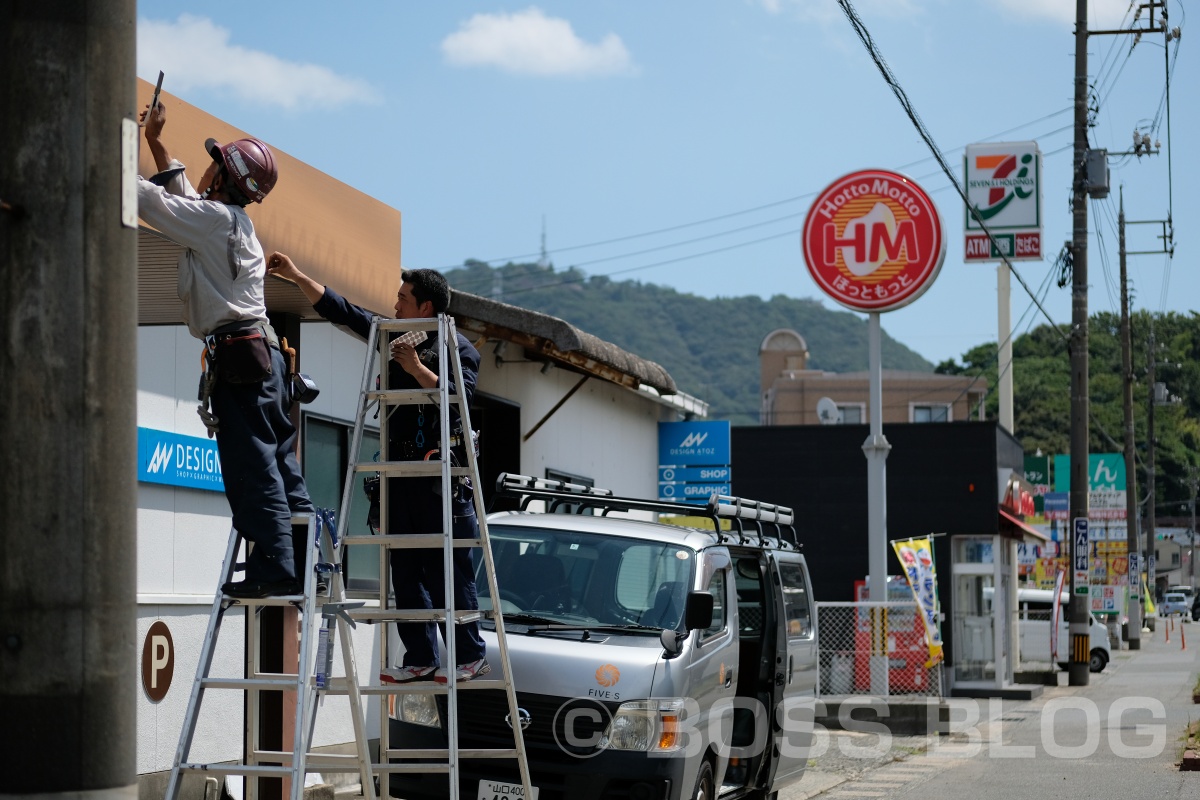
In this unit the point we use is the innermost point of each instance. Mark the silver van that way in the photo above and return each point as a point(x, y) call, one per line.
point(650, 660)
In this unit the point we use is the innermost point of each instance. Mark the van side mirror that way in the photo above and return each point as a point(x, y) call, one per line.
point(699, 610)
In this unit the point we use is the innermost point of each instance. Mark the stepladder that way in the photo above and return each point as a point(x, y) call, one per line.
point(320, 610)
point(430, 531)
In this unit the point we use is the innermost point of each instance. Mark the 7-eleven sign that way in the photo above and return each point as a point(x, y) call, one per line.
point(1004, 186)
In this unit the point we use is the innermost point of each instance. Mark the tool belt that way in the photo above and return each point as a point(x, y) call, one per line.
point(240, 352)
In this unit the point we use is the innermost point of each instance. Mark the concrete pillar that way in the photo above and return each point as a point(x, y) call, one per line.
point(68, 312)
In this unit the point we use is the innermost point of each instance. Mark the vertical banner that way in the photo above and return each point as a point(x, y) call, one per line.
point(1056, 612)
point(916, 556)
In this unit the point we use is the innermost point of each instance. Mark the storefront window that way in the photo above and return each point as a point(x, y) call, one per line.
point(326, 459)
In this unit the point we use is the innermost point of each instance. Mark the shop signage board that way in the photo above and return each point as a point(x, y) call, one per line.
point(176, 460)
point(1106, 484)
point(693, 460)
point(1004, 186)
point(873, 241)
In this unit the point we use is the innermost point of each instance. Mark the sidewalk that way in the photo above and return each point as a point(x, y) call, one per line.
point(1140, 706)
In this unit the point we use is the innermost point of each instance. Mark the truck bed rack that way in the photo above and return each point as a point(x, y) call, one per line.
point(564, 497)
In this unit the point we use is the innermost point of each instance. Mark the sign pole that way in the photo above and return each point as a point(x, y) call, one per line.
point(1004, 320)
point(876, 448)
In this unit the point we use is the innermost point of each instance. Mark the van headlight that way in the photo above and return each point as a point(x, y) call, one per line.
point(419, 709)
point(646, 725)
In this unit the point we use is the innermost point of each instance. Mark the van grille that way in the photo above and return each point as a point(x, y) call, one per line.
point(482, 723)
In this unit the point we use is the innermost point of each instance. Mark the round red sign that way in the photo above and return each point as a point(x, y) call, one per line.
point(873, 240)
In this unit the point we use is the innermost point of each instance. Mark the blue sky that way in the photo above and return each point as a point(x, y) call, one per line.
point(708, 124)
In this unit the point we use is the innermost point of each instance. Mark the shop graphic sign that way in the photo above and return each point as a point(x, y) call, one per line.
point(693, 460)
point(916, 556)
point(1004, 185)
point(873, 241)
point(176, 460)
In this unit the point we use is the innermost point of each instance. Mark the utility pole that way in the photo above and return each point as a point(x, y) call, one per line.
point(1080, 434)
point(68, 305)
point(1194, 485)
point(1077, 670)
point(1134, 573)
point(1150, 476)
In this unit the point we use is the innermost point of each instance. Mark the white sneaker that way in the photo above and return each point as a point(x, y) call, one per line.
point(405, 674)
point(463, 672)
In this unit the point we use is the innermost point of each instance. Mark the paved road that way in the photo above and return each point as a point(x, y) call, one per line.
point(1121, 736)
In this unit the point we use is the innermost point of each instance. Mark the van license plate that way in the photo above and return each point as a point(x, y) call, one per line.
point(496, 790)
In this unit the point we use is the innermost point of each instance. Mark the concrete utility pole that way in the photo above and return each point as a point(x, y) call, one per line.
point(1077, 670)
point(1134, 574)
point(68, 311)
point(1150, 474)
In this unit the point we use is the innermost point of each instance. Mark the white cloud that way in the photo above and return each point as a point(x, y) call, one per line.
point(530, 43)
point(197, 54)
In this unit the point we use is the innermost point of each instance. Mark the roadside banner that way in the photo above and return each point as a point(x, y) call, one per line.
point(1056, 613)
point(916, 556)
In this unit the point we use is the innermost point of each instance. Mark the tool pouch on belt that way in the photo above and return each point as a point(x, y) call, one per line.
point(242, 356)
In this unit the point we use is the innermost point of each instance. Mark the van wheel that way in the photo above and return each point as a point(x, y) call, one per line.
point(704, 783)
point(1098, 661)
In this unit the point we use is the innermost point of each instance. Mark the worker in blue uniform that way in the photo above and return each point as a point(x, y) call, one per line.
point(415, 504)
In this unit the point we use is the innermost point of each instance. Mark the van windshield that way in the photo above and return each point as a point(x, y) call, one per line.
point(585, 579)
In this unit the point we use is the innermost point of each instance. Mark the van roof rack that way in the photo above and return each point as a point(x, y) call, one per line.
point(563, 497)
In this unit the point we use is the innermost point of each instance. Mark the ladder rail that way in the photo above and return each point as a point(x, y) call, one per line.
point(448, 342)
point(493, 589)
point(196, 697)
point(360, 420)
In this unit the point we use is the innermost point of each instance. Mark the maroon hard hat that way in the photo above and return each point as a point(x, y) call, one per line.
point(249, 162)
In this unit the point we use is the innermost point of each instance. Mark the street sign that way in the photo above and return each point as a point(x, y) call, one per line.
point(873, 240)
point(1079, 554)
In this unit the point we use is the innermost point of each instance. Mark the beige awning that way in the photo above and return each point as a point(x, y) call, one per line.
point(336, 234)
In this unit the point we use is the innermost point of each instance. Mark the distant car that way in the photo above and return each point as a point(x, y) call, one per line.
point(1175, 603)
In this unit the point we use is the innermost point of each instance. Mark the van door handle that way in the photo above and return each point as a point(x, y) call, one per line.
point(728, 679)
point(789, 669)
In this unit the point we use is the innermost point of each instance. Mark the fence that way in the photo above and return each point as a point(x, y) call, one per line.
point(888, 638)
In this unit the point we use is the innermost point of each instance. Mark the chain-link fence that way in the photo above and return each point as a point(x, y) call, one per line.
point(874, 648)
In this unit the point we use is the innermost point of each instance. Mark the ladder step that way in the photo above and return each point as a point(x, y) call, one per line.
point(282, 682)
point(370, 615)
point(409, 469)
point(417, 324)
point(282, 600)
point(400, 397)
point(338, 686)
point(462, 753)
point(413, 541)
point(258, 770)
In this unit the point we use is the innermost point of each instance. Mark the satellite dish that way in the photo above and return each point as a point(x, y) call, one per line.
point(827, 412)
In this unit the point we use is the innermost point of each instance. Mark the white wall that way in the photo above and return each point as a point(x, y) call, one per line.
point(603, 432)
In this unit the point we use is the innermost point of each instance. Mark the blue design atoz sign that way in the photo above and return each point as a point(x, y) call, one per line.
point(693, 460)
point(176, 460)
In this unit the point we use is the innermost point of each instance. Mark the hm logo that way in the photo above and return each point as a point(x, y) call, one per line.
point(693, 439)
point(161, 458)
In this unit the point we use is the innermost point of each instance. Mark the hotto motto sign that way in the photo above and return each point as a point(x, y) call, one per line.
point(873, 240)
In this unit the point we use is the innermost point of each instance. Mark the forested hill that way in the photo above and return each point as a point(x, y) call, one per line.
point(710, 347)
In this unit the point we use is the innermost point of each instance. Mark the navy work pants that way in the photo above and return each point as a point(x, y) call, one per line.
point(418, 577)
point(263, 484)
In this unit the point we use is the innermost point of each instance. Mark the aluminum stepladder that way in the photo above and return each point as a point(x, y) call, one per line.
point(316, 611)
point(383, 399)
